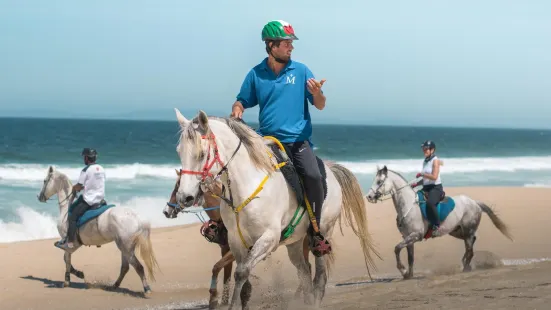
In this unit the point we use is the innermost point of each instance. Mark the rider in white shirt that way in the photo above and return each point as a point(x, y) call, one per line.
point(92, 181)
point(432, 184)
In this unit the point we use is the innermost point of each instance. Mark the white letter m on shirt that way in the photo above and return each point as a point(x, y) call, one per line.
point(290, 79)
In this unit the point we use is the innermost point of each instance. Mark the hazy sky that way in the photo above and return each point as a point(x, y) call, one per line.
point(460, 63)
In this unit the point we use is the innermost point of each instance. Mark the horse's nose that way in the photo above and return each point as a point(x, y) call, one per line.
point(188, 199)
point(166, 214)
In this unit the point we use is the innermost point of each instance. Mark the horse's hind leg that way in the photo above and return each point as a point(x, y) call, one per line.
point(124, 269)
point(469, 253)
point(133, 260)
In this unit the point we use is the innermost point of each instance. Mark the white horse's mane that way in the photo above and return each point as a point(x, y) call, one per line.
point(255, 145)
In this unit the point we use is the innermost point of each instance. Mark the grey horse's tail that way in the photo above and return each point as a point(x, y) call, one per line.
point(143, 243)
point(498, 223)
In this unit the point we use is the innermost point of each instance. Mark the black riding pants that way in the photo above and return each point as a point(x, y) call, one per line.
point(434, 193)
point(77, 211)
point(306, 164)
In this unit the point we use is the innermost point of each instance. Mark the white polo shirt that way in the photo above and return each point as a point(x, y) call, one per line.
point(92, 177)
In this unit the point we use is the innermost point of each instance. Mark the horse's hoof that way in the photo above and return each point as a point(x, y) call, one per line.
point(79, 274)
point(408, 276)
point(309, 299)
point(213, 304)
point(66, 284)
point(147, 290)
point(467, 269)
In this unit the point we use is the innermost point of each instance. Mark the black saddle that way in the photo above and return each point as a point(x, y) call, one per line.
point(292, 177)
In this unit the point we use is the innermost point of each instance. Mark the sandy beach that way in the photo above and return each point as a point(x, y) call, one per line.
point(31, 273)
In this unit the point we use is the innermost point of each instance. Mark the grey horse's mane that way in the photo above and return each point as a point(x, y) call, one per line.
point(396, 173)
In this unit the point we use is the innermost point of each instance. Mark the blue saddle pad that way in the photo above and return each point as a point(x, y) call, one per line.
point(443, 208)
point(91, 214)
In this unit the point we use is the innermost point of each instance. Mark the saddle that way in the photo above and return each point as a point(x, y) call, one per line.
point(98, 205)
point(95, 211)
point(443, 198)
point(292, 177)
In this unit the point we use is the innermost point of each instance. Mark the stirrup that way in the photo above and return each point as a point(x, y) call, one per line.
point(319, 245)
point(63, 244)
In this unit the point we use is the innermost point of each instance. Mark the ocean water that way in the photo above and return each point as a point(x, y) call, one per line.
point(140, 160)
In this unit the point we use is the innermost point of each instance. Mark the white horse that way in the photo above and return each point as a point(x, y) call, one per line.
point(118, 224)
point(257, 202)
point(462, 222)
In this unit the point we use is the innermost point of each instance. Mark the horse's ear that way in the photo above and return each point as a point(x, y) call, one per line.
point(203, 120)
point(385, 170)
point(51, 169)
point(181, 119)
point(177, 172)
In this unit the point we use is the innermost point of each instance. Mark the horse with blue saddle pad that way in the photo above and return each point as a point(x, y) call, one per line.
point(459, 215)
point(102, 224)
point(444, 207)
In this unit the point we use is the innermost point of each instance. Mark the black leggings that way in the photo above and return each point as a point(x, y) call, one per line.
point(77, 211)
point(307, 166)
point(434, 196)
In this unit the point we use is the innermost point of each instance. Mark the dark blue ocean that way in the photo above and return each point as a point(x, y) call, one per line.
point(140, 158)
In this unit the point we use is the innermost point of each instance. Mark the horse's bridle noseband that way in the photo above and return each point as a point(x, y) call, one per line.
point(207, 178)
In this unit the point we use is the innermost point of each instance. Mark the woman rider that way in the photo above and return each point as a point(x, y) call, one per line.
point(432, 185)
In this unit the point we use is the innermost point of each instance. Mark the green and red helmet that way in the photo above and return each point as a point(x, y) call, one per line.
point(278, 30)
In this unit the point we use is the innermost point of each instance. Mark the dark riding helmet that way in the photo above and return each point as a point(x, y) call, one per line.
point(89, 153)
point(428, 144)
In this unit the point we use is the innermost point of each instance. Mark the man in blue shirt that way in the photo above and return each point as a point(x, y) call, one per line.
point(282, 88)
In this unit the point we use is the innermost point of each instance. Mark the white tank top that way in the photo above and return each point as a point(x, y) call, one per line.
point(427, 168)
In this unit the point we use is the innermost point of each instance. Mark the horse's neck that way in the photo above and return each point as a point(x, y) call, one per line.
point(404, 196)
point(63, 199)
point(244, 176)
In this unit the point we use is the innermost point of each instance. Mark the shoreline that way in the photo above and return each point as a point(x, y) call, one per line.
point(450, 190)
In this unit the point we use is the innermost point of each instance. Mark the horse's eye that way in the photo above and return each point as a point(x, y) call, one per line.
point(379, 182)
point(201, 155)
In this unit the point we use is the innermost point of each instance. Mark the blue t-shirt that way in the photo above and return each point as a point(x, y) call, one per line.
point(283, 100)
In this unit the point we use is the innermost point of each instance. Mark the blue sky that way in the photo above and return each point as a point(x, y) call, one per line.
point(459, 63)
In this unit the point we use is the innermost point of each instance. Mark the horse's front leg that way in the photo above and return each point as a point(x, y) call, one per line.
point(227, 259)
point(67, 258)
point(243, 288)
point(305, 253)
point(227, 276)
point(407, 242)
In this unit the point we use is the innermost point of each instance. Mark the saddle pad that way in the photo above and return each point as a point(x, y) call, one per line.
point(443, 208)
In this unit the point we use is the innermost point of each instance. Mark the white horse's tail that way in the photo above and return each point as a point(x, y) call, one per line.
point(143, 242)
point(498, 223)
point(353, 204)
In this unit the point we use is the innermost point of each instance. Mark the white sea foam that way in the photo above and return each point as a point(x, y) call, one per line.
point(33, 225)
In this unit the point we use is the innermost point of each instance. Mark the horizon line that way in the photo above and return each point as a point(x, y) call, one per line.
point(322, 122)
